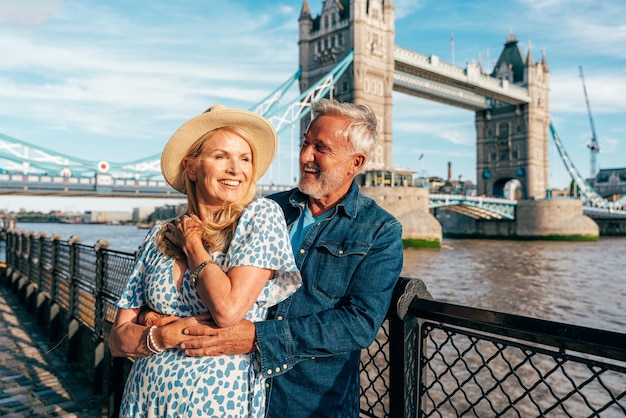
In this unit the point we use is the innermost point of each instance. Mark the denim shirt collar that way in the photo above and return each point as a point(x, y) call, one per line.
point(348, 205)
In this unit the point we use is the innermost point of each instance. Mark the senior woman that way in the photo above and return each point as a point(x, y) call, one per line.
point(228, 256)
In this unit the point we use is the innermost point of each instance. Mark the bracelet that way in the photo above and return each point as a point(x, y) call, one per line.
point(152, 346)
point(196, 272)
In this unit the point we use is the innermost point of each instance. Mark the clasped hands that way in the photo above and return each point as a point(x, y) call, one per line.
point(209, 340)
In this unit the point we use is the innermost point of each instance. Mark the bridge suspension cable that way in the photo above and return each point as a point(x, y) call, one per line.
point(24, 157)
point(589, 196)
point(294, 111)
point(270, 102)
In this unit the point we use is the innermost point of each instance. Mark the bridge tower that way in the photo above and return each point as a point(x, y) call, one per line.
point(512, 140)
point(368, 28)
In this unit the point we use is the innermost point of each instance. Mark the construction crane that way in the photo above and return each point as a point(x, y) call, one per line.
point(594, 146)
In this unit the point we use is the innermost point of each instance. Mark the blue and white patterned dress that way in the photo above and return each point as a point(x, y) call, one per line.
point(172, 384)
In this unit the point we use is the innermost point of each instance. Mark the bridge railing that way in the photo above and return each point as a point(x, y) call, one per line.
point(429, 359)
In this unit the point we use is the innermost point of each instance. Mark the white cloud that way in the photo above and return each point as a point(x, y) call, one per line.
point(28, 15)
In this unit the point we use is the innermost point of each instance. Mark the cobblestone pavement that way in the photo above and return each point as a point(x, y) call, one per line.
point(34, 379)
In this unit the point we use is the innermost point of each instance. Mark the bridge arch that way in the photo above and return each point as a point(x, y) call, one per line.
point(507, 187)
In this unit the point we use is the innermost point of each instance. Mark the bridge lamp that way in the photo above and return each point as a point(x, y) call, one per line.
point(103, 167)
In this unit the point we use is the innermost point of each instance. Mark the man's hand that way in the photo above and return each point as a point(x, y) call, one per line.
point(214, 341)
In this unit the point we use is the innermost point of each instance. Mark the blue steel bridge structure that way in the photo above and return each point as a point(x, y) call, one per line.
point(28, 169)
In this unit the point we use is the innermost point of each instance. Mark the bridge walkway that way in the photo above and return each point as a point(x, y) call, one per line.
point(35, 380)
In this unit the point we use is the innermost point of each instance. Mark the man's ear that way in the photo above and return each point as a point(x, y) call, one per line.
point(358, 161)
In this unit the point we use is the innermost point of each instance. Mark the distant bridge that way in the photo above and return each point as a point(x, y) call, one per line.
point(493, 208)
point(105, 185)
point(487, 208)
point(100, 185)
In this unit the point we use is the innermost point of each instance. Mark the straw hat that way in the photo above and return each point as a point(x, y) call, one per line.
point(263, 140)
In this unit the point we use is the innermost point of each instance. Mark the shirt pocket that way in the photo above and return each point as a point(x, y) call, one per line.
point(335, 266)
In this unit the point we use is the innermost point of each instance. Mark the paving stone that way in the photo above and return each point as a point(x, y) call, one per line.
point(35, 381)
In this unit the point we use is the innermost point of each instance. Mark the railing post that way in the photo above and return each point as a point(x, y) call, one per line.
point(73, 325)
point(41, 238)
point(405, 352)
point(54, 260)
point(100, 348)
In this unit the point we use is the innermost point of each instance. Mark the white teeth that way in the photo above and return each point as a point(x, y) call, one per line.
point(230, 182)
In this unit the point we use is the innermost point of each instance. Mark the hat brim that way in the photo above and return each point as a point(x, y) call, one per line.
point(264, 141)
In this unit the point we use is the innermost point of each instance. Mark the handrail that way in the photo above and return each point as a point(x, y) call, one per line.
point(555, 334)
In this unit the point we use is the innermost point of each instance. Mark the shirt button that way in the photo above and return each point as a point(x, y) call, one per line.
point(279, 317)
point(277, 369)
point(285, 366)
point(312, 357)
point(269, 371)
point(267, 385)
point(301, 250)
point(340, 251)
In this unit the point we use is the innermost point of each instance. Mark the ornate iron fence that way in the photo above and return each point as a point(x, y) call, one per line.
point(430, 359)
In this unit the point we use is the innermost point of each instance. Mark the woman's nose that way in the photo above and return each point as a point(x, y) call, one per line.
point(234, 166)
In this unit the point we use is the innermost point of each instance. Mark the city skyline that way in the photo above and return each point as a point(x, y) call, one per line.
point(112, 81)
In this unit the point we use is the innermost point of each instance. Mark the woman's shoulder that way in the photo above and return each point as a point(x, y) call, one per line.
point(261, 204)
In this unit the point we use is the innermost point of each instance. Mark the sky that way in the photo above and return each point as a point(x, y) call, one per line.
point(111, 81)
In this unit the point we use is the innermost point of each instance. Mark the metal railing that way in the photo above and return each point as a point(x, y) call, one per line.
point(430, 359)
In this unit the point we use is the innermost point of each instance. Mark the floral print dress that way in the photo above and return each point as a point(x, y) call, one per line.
point(171, 384)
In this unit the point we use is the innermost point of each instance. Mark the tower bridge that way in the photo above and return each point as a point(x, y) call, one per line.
point(348, 51)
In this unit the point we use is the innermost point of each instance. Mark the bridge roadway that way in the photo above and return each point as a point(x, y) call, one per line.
point(35, 381)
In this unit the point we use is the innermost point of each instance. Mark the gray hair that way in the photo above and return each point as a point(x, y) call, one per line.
point(362, 129)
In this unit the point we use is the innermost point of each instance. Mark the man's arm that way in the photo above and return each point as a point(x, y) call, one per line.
point(351, 326)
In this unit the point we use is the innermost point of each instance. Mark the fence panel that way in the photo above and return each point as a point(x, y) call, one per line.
point(483, 363)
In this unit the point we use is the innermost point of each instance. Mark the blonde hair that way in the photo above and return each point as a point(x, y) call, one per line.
point(219, 227)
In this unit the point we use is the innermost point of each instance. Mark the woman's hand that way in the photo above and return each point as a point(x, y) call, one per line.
point(172, 335)
point(148, 318)
point(186, 230)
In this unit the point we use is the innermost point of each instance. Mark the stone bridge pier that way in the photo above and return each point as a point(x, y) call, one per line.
point(410, 206)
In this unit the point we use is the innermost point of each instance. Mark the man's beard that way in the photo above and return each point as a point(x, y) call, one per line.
point(326, 182)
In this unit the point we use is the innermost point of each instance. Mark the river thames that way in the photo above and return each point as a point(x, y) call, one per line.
point(582, 283)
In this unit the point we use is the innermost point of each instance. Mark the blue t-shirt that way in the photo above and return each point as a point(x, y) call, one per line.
point(302, 225)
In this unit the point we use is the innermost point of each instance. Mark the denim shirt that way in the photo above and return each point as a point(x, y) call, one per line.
point(310, 344)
